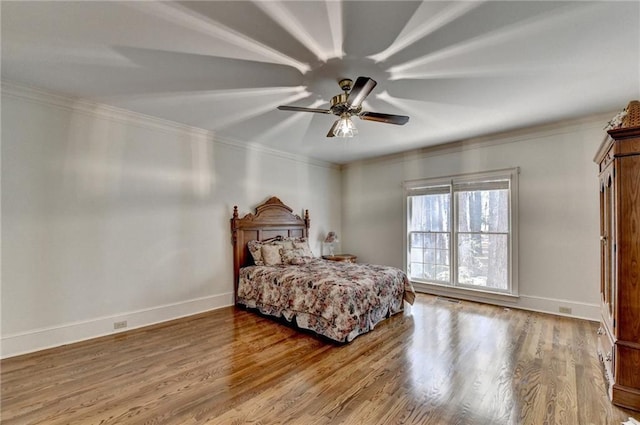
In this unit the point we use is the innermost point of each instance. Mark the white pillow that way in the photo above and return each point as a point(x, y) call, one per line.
point(271, 255)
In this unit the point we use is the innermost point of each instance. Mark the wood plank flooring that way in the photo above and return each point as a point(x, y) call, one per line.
point(436, 363)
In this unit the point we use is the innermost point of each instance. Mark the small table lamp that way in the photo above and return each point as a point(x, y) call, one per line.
point(330, 241)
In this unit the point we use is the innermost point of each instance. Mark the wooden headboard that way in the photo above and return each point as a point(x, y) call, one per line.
point(272, 219)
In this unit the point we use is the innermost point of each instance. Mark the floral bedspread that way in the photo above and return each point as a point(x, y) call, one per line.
point(336, 299)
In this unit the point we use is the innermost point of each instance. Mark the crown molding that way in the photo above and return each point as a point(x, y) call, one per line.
point(112, 113)
point(590, 122)
point(240, 145)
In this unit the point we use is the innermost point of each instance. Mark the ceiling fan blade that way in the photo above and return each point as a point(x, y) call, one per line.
point(386, 118)
point(360, 91)
point(333, 128)
point(302, 109)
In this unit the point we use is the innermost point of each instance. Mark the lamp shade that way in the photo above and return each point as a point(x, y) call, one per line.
point(331, 237)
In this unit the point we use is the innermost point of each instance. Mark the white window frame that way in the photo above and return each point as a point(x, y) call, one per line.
point(415, 187)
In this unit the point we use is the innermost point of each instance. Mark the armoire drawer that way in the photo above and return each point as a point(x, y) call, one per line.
point(606, 353)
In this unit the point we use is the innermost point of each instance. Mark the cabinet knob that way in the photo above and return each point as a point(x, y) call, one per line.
point(603, 239)
point(600, 331)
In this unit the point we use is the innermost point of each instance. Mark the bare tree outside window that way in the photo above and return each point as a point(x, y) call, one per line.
point(483, 238)
point(430, 237)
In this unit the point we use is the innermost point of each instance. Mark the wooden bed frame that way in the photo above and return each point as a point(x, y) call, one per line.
point(272, 219)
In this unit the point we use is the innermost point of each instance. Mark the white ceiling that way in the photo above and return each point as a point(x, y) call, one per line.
point(458, 69)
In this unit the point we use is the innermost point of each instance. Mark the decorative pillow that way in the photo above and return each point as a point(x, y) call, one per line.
point(271, 255)
point(285, 244)
point(303, 244)
point(294, 256)
point(255, 248)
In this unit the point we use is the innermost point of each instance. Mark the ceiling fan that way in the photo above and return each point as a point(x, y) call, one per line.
point(348, 104)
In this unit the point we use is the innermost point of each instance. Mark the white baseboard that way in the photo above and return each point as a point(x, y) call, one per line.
point(40, 339)
point(579, 310)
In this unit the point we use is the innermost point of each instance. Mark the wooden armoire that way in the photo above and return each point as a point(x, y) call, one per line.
point(619, 332)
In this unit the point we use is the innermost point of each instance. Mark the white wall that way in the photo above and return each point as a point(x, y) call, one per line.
point(108, 215)
point(558, 207)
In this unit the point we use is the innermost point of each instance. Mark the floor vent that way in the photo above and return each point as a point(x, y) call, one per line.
point(449, 300)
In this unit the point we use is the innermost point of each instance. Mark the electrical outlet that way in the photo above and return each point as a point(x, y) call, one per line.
point(565, 310)
point(120, 325)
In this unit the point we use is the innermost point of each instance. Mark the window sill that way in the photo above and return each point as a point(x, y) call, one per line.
point(464, 293)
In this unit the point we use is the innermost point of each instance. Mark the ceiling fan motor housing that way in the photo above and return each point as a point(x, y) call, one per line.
point(339, 104)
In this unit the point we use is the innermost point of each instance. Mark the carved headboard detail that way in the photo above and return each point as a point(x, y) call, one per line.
point(272, 218)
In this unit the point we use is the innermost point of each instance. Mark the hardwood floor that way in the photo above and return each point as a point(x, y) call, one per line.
point(436, 363)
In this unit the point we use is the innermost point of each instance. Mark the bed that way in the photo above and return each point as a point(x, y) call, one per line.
point(276, 274)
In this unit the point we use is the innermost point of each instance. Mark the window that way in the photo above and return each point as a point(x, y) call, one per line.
point(461, 231)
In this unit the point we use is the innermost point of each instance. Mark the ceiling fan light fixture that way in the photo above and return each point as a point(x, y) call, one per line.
point(345, 127)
